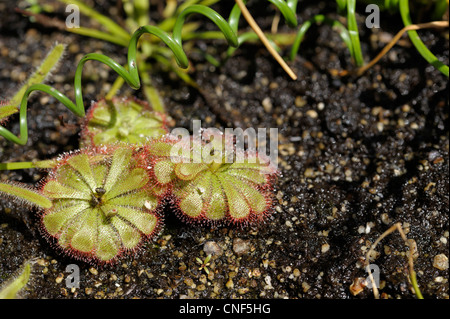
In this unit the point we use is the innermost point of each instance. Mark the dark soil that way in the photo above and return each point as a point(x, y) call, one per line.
point(356, 155)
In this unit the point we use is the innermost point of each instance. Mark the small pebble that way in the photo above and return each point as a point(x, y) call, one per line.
point(230, 284)
point(440, 262)
point(267, 104)
point(268, 281)
point(59, 279)
point(212, 248)
point(439, 279)
point(243, 291)
point(305, 286)
point(357, 286)
point(299, 101)
point(325, 248)
point(312, 114)
point(241, 246)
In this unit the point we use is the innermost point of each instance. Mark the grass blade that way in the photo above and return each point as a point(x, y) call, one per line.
point(354, 33)
point(109, 24)
point(415, 39)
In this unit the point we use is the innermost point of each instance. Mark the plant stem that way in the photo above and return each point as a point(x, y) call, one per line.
point(118, 83)
point(264, 39)
point(415, 39)
point(440, 9)
point(27, 165)
point(354, 33)
point(150, 92)
point(412, 273)
point(434, 24)
point(287, 10)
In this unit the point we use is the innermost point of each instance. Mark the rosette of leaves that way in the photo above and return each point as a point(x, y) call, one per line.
point(125, 120)
point(213, 181)
point(102, 203)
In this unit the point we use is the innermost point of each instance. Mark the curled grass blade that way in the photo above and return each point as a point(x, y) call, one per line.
point(130, 75)
point(48, 64)
point(434, 24)
point(417, 42)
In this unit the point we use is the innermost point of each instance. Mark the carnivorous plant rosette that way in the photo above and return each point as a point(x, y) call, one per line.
point(209, 184)
point(103, 204)
point(100, 202)
point(122, 120)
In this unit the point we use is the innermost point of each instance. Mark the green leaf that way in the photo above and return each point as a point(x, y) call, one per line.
point(103, 203)
point(136, 179)
point(237, 206)
point(187, 171)
point(108, 243)
point(106, 22)
point(130, 238)
point(121, 159)
point(136, 199)
point(70, 177)
point(6, 110)
point(39, 76)
point(56, 190)
point(50, 62)
point(10, 290)
point(24, 193)
point(192, 205)
point(143, 221)
point(55, 219)
point(84, 238)
point(164, 171)
point(122, 120)
point(418, 43)
point(216, 191)
point(83, 166)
